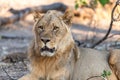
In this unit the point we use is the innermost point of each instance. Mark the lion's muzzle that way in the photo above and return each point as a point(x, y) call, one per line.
point(45, 51)
point(45, 48)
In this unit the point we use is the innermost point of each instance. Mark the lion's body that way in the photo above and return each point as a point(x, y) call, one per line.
point(114, 62)
point(92, 63)
point(54, 55)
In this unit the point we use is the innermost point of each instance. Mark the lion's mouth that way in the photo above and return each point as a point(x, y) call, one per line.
point(45, 48)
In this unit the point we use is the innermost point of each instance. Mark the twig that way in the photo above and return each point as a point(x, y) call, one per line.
point(112, 35)
point(110, 27)
point(92, 77)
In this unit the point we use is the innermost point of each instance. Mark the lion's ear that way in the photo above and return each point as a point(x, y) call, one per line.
point(67, 17)
point(36, 15)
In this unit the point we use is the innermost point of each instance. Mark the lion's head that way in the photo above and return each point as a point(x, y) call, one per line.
point(52, 32)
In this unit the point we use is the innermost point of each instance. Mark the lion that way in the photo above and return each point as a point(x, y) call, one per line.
point(91, 65)
point(54, 54)
point(51, 52)
point(114, 62)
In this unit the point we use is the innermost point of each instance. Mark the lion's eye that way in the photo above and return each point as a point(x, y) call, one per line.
point(40, 28)
point(55, 28)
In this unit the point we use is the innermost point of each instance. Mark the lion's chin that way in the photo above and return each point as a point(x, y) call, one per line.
point(47, 53)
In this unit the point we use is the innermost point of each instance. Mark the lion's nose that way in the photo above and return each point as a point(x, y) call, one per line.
point(45, 40)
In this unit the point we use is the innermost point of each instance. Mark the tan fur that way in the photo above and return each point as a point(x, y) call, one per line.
point(115, 62)
point(63, 60)
point(92, 63)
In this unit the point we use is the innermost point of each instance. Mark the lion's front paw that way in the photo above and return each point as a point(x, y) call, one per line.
point(29, 77)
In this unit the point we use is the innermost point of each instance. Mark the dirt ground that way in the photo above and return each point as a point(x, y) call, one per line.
point(16, 37)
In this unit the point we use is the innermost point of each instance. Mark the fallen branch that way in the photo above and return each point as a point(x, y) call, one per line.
point(110, 27)
point(20, 14)
point(14, 37)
